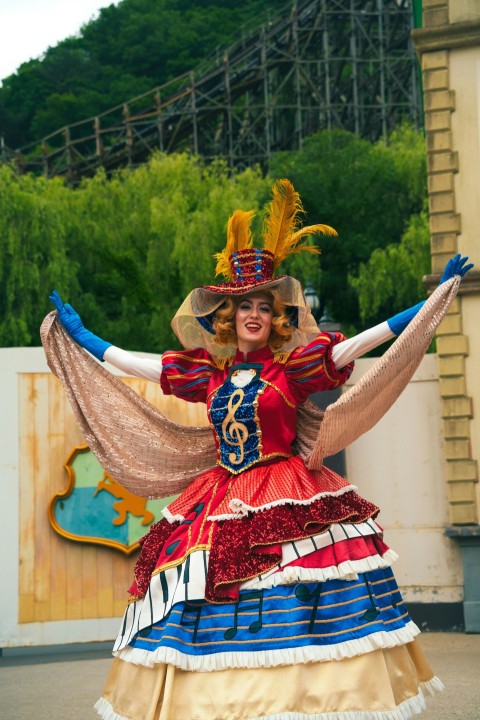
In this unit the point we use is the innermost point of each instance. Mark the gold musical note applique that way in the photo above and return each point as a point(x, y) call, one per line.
point(235, 433)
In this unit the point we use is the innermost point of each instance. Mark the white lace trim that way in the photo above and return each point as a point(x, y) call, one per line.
point(269, 658)
point(240, 508)
point(432, 686)
point(171, 518)
point(105, 710)
point(347, 570)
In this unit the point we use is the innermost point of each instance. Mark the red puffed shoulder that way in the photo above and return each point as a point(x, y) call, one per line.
point(186, 373)
point(310, 369)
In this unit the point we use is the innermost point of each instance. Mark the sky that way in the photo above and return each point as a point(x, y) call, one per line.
point(29, 27)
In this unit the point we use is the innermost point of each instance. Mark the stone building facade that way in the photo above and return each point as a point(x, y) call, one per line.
point(448, 46)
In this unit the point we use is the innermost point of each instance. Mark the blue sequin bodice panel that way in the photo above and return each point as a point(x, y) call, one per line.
point(234, 417)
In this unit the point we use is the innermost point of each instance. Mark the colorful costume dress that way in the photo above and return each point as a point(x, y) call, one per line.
point(266, 592)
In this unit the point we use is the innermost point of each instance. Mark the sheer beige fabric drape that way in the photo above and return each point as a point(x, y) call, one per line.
point(155, 457)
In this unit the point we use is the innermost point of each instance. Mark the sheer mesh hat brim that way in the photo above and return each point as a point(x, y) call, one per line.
point(193, 321)
point(250, 268)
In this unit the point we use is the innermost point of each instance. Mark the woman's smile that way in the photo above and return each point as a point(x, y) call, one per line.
point(253, 321)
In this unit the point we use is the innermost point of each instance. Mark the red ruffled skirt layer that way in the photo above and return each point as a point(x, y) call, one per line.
point(279, 502)
point(278, 481)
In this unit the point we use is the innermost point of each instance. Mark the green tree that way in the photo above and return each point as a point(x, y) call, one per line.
point(34, 230)
point(392, 277)
point(368, 192)
point(124, 251)
point(129, 49)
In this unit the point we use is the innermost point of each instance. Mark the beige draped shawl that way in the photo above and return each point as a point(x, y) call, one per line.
point(155, 457)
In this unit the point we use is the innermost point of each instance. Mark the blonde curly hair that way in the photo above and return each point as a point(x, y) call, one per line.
point(224, 322)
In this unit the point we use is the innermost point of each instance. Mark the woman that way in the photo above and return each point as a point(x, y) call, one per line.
point(266, 591)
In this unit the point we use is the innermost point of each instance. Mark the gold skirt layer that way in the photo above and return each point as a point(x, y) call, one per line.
point(372, 685)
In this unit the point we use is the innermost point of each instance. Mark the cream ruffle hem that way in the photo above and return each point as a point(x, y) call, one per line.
point(385, 684)
point(269, 658)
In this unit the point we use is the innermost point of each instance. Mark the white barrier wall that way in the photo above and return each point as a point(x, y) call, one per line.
point(15, 364)
point(398, 465)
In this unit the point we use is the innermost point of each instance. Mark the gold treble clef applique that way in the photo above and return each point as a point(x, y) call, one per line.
point(236, 430)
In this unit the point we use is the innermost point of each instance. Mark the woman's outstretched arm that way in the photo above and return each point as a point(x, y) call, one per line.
point(355, 347)
point(147, 368)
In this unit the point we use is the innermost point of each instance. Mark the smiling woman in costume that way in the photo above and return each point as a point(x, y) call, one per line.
point(267, 589)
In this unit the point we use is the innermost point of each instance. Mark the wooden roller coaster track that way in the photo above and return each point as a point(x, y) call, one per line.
point(320, 64)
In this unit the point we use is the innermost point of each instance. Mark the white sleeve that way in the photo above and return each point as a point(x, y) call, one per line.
point(132, 364)
point(353, 348)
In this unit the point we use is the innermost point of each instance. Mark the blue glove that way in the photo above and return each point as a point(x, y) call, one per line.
point(455, 266)
point(72, 323)
point(399, 322)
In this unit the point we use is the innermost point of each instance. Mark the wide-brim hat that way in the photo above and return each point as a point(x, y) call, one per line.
point(248, 269)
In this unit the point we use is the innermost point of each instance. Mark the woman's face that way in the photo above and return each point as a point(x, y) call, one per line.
point(253, 321)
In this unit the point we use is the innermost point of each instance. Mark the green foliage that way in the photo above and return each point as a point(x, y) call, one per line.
point(167, 218)
point(129, 49)
point(33, 255)
point(392, 277)
point(368, 192)
point(124, 252)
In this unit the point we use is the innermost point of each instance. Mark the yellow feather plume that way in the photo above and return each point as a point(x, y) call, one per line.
point(281, 230)
point(239, 237)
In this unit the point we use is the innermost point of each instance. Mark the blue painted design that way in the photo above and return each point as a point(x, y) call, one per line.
point(237, 268)
point(98, 509)
point(207, 322)
point(312, 363)
point(90, 516)
point(284, 617)
point(232, 414)
point(171, 547)
point(197, 510)
point(183, 369)
point(194, 383)
point(189, 388)
point(314, 348)
point(292, 313)
point(258, 266)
